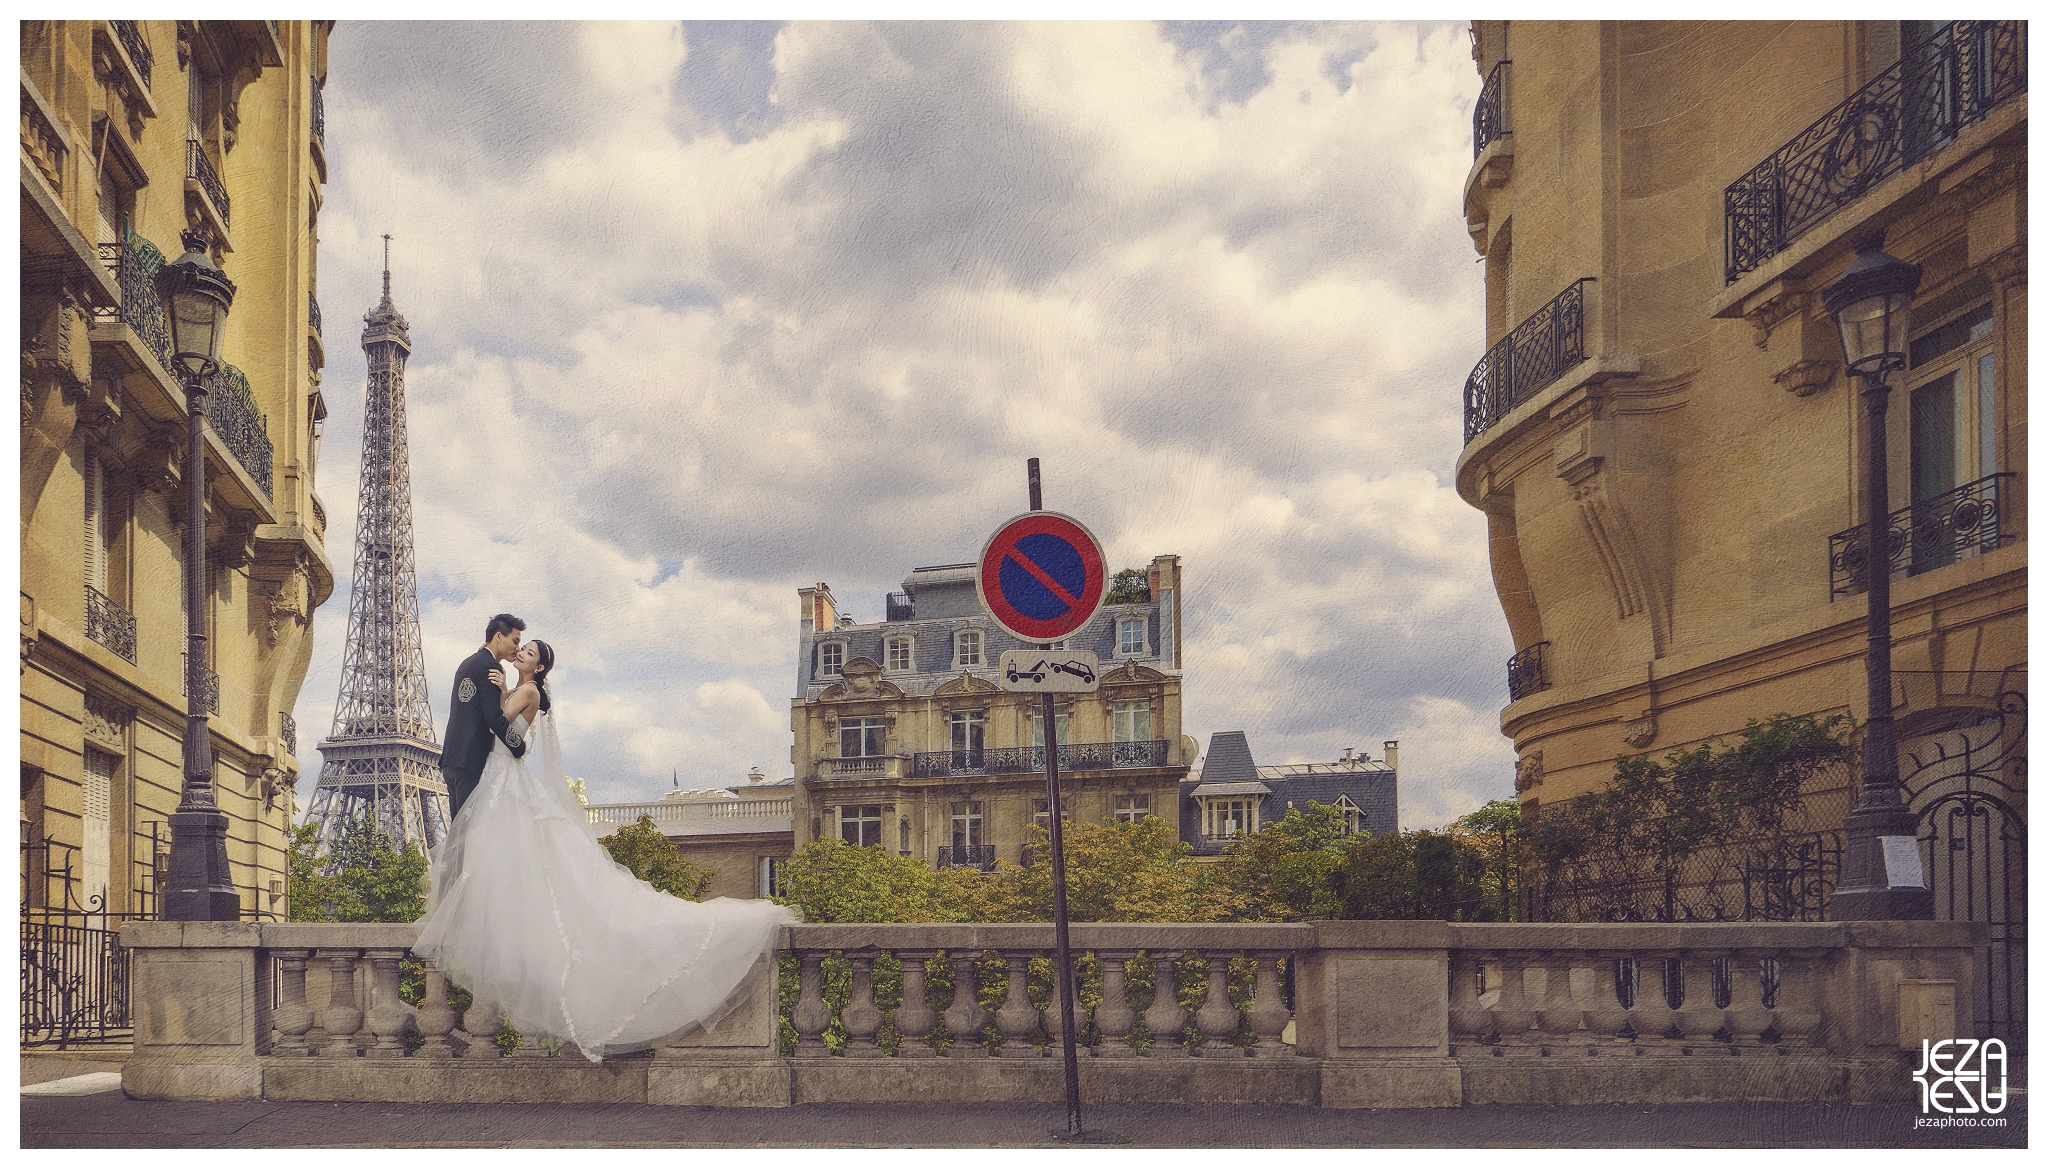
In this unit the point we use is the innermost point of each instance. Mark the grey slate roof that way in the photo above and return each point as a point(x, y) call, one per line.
point(1373, 787)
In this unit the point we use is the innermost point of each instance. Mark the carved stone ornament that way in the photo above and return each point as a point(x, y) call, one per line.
point(28, 629)
point(105, 724)
point(862, 678)
point(290, 601)
point(1640, 731)
point(1133, 672)
point(1806, 377)
point(1766, 317)
point(273, 786)
point(966, 683)
point(1529, 771)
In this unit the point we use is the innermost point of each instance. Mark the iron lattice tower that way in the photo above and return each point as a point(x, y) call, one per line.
point(382, 755)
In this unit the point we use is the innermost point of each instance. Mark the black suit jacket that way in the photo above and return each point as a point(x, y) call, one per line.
point(475, 716)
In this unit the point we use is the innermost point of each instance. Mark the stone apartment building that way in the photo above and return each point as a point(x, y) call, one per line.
point(904, 740)
point(131, 133)
point(1233, 796)
point(1661, 434)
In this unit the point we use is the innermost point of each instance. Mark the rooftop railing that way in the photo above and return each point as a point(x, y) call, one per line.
point(1490, 114)
point(1535, 354)
point(1903, 116)
point(1924, 536)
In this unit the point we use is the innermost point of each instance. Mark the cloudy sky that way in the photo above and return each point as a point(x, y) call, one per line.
point(704, 312)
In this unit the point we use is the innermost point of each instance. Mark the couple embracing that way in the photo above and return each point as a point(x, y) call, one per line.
point(531, 914)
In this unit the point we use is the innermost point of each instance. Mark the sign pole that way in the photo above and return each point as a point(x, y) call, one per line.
point(1063, 964)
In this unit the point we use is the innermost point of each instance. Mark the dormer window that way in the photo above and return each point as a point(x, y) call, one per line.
point(1130, 637)
point(831, 656)
point(967, 648)
point(897, 656)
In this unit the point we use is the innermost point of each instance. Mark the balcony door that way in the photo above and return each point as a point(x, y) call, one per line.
point(1951, 440)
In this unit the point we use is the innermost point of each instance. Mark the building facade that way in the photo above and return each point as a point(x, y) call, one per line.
point(743, 833)
point(904, 739)
point(1661, 434)
point(1233, 796)
point(133, 132)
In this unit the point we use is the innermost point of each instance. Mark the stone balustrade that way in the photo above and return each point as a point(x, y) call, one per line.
point(1337, 1014)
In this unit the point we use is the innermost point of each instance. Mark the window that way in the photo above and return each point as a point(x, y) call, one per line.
point(898, 654)
point(1060, 720)
point(861, 738)
point(1951, 426)
point(1130, 722)
point(1229, 817)
point(967, 648)
point(1130, 636)
point(831, 656)
point(903, 836)
point(95, 523)
point(966, 827)
point(1039, 817)
point(1354, 816)
point(98, 798)
point(768, 875)
point(861, 825)
point(968, 727)
point(1133, 808)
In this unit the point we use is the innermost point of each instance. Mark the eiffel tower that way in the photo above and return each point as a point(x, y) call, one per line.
point(382, 755)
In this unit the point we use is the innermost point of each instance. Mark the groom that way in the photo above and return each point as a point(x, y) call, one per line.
point(476, 713)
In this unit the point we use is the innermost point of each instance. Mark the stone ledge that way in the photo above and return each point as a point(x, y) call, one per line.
point(455, 1081)
point(1289, 1080)
point(1654, 1076)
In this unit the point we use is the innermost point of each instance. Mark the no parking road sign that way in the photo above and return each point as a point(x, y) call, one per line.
point(1041, 576)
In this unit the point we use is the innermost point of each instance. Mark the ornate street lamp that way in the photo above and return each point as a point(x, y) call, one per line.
point(1882, 878)
point(200, 888)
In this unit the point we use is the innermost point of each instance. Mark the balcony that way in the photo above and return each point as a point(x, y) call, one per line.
point(135, 262)
point(129, 34)
point(288, 731)
point(313, 314)
point(109, 624)
point(708, 815)
point(1905, 115)
point(1535, 354)
point(1490, 115)
point(212, 683)
point(1930, 534)
point(243, 430)
point(1031, 760)
point(319, 117)
point(967, 856)
point(863, 767)
point(1526, 674)
point(199, 174)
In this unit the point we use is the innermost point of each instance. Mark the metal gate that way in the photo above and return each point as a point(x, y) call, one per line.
point(1965, 777)
point(74, 970)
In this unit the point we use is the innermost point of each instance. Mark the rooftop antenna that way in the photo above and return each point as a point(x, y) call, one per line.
point(387, 265)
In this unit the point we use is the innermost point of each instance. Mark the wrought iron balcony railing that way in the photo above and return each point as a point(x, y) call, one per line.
point(1525, 672)
point(1902, 117)
point(231, 410)
point(199, 167)
point(967, 856)
point(135, 263)
point(212, 683)
point(1535, 354)
point(129, 33)
point(1490, 116)
point(289, 732)
point(109, 624)
point(1025, 760)
point(319, 117)
point(1927, 535)
point(313, 312)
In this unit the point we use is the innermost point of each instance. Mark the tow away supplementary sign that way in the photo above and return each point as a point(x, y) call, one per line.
point(1046, 671)
point(1041, 576)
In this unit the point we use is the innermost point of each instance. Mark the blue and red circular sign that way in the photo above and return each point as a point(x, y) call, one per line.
point(1041, 576)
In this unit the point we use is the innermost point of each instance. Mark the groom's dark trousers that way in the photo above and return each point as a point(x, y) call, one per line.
point(476, 717)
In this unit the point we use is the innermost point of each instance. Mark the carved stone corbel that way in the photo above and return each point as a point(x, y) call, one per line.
point(1640, 731)
point(237, 543)
point(1807, 376)
point(156, 466)
point(273, 786)
point(1529, 772)
point(1583, 459)
point(1766, 317)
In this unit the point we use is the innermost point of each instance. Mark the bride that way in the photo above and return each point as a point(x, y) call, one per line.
point(531, 914)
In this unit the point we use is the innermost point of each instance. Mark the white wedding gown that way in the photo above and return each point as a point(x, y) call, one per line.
point(531, 914)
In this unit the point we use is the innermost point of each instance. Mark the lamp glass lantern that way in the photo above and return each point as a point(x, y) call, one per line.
point(1872, 305)
point(199, 294)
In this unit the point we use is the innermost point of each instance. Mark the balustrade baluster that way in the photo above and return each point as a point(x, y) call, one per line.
point(1268, 1016)
point(1017, 1018)
point(1217, 1018)
point(964, 1017)
point(811, 1015)
point(1469, 1020)
point(342, 1016)
point(1559, 1014)
point(293, 1018)
point(482, 1022)
point(387, 1015)
point(1619, 993)
point(1655, 1015)
point(915, 1017)
point(1512, 1015)
point(1166, 1019)
point(861, 1017)
point(435, 1018)
point(1699, 1017)
point(1114, 1018)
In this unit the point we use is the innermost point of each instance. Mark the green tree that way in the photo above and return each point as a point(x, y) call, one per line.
point(655, 859)
point(1431, 876)
point(1287, 870)
point(831, 880)
point(1140, 871)
point(364, 877)
point(1495, 833)
point(1129, 586)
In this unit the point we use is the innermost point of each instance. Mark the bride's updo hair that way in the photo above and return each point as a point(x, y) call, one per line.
point(545, 660)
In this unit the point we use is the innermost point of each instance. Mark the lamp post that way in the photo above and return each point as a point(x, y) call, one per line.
point(201, 888)
point(1882, 878)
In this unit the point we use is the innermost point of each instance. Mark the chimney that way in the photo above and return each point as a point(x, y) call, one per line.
point(1394, 753)
point(1347, 756)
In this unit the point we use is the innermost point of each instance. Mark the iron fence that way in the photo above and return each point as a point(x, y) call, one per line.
point(1934, 532)
point(1025, 760)
point(199, 168)
point(1525, 672)
point(1535, 354)
point(129, 33)
point(109, 624)
point(74, 971)
point(1490, 115)
point(967, 856)
point(231, 411)
point(1903, 116)
point(135, 262)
